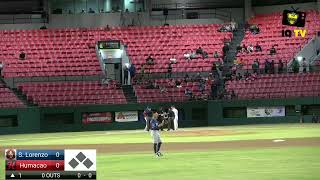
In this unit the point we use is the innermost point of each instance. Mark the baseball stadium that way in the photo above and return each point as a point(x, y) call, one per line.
point(160, 89)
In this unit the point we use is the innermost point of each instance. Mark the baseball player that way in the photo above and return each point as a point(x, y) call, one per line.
point(175, 120)
point(155, 125)
point(147, 116)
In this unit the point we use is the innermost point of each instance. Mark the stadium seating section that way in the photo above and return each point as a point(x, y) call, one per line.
point(8, 99)
point(63, 52)
point(277, 86)
point(165, 42)
point(270, 34)
point(172, 94)
point(72, 93)
point(70, 52)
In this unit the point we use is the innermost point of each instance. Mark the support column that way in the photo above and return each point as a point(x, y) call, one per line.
point(147, 5)
point(248, 9)
point(318, 5)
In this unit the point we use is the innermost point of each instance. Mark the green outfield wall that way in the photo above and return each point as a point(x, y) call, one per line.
point(193, 114)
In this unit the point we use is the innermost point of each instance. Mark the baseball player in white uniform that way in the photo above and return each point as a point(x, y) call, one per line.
point(175, 121)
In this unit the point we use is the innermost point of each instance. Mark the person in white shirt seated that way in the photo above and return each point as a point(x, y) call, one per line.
point(173, 60)
point(250, 48)
point(187, 55)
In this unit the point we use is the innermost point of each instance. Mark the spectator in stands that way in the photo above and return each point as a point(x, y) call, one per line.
point(169, 70)
point(233, 25)
point(225, 50)
point(149, 85)
point(205, 55)
point(295, 65)
point(107, 28)
point(258, 48)
point(272, 67)
point(178, 83)
point(193, 55)
point(132, 71)
point(214, 90)
point(273, 50)
point(83, 11)
point(188, 93)
point(233, 95)
point(255, 66)
point(244, 48)
point(173, 60)
point(202, 86)
point(254, 29)
point(250, 48)
point(247, 76)
point(187, 55)
point(186, 78)
point(199, 51)
point(238, 77)
point(125, 75)
point(280, 66)
point(91, 10)
point(22, 55)
point(150, 60)
point(239, 48)
point(215, 54)
point(266, 66)
point(305, 65)
point(214, 68)
point(101, 11)
point(222, 29)
point(163, 89)
point(238, 62)
point(127, 10)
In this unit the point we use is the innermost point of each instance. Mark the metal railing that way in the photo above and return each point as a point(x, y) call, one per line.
point(194, 5)
point(23, 19)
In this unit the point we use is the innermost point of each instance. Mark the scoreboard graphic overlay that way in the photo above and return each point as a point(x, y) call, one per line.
point(50, 164)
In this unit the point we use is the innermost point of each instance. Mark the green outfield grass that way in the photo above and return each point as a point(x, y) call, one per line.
point(292, 163)
point(107, 137)
point(262, 164)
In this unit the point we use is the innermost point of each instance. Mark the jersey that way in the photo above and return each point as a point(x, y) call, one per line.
point(154, 124)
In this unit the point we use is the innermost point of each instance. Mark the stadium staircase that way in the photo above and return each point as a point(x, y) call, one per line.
point(236, 41)
point(9, 98)
point(19, 94)
point(129, 93)
point(22, 97)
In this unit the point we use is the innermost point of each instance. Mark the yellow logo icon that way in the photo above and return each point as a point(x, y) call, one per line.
point(292, 17)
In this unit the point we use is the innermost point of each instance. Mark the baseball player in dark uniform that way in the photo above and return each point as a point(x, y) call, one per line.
point(155, 126)
point(147, 117)
point(170, 119)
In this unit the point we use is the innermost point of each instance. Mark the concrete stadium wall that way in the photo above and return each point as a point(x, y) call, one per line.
point(217, 117)
point(114, 19)
point(201, 113)
point(20, 26)
point(279, 8)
